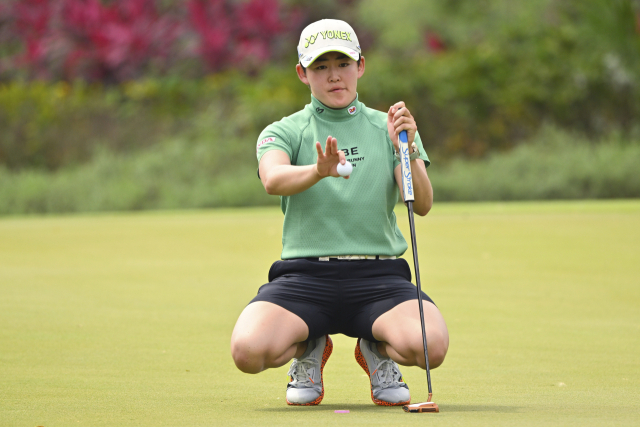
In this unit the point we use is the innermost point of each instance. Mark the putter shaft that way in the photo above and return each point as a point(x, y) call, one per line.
point(417, 270)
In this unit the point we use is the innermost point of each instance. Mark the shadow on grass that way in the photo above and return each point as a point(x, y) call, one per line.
point(330, 407)
point(364, 407)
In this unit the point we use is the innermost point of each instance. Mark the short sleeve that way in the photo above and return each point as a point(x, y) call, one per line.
point(423, 152)
point(273, 137)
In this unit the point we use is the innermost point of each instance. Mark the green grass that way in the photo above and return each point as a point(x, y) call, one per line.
point(553, 165)
point(125, 319)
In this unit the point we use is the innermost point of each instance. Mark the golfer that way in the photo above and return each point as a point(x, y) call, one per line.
point(340, 272)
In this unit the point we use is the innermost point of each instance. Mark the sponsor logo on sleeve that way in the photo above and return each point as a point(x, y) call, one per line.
point(265, 141)
point(352, 110)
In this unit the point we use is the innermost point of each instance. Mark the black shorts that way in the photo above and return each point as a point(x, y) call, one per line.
point(339, 297)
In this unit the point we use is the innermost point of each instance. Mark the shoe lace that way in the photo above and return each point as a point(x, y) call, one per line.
point(298, 371)
point(387, 373)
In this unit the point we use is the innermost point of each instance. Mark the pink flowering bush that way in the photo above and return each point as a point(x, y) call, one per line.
point(121, 40)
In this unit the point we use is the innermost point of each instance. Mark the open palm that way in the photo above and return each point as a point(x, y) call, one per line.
point(327, 164)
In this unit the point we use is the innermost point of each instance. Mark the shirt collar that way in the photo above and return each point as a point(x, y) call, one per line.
point(335, 115)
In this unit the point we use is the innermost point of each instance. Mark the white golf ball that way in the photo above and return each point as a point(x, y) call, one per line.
point(345, 170)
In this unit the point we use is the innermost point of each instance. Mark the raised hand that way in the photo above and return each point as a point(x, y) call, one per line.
point(328, 160)
point(399, 118)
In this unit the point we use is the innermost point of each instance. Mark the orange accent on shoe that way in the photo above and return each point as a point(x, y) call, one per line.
point(363, 363)
point(328, 348)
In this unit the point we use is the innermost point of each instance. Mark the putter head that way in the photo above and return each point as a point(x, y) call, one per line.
point(421, 407)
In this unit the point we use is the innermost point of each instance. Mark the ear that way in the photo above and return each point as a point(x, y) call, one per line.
point(361, 67)
point(301, 75)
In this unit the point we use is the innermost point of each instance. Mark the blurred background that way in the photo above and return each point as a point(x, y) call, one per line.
point(157, 104)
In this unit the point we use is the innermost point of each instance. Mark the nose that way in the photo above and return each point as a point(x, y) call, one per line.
point(333, 75)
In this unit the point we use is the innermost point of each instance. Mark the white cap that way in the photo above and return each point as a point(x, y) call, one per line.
point(327, 35)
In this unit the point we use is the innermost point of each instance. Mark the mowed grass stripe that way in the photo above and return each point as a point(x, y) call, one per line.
point(125, 319)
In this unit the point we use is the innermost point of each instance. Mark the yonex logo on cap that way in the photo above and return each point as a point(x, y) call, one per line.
point(342, 35)
point(352, 110)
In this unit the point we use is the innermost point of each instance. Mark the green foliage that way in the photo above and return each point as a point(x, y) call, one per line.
point(175, 174)
point(506, 68)
point(49, 125)
point(220, 170)
point(498, 72)
point(554, 165)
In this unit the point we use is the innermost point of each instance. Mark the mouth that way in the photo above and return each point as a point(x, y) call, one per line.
point(337, 89)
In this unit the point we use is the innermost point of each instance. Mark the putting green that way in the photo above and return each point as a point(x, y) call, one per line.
point(125, 319)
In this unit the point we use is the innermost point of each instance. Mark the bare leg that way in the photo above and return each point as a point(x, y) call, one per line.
point(267, 336)
point(401, 334)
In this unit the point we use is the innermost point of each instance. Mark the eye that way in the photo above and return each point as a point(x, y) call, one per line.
point(320, 67)
point(344, 64)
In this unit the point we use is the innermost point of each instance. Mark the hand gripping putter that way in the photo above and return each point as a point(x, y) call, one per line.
point(407, 195)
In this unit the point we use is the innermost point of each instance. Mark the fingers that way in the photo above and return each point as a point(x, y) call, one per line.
point(397, 110)
point(403, 123)
point(331, 146)
point(328, 160)
point(400, 118)
point(341, 157)
point(400, 112)
point(390, 114)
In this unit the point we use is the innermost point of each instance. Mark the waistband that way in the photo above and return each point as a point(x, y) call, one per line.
point(349, 257)
point(296, 268)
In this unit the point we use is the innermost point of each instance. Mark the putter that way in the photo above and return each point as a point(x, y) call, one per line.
point(407, 195)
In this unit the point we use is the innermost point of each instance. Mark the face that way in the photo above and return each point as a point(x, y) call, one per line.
point(333, 78)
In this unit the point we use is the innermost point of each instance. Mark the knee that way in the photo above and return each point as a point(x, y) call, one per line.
point(248, 357)
point(437, 346)
point(437, 351)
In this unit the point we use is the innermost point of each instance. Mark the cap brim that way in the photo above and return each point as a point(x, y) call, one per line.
point(308, 59)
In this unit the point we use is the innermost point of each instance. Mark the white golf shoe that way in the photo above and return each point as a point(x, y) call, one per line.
point(305, 387)
point(387, 385)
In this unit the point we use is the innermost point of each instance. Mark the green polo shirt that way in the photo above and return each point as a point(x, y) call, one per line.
point(338, 216)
